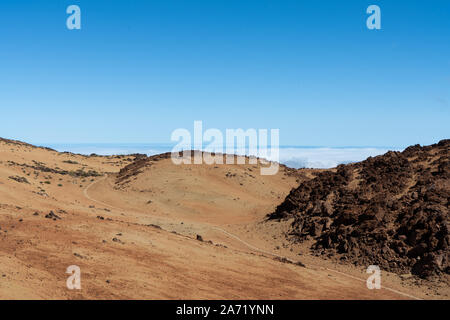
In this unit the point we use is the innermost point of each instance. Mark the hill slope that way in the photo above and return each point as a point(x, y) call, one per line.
point(143, 228)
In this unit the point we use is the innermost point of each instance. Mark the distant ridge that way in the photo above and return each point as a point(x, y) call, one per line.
point(20, 143)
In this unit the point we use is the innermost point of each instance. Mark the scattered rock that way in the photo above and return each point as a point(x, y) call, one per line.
point(117, 240)
point(19, 179)
point(52, 215)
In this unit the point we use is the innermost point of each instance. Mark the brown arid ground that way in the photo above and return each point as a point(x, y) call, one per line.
point(155, 230)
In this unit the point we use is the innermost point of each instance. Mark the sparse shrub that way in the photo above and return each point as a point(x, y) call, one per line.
point(70, 162)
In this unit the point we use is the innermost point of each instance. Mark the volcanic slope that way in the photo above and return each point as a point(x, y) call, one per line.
point(144, 228)
point(391, 210)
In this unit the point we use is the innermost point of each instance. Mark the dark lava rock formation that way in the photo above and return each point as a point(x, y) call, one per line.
point(391, 210)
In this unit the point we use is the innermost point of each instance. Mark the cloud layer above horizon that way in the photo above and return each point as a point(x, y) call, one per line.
point(294, 157)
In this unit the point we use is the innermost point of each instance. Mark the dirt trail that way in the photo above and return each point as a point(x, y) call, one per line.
point(135, 237)
point(250, 246)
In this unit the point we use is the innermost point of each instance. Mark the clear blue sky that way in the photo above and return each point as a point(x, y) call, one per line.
point(137, 70)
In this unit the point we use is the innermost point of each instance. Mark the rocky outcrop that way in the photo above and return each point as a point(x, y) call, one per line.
point(391, 210)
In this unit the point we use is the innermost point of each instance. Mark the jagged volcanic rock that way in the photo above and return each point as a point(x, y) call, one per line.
point(391, 210)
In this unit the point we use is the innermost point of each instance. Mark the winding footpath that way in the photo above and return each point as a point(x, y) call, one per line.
point(250, 246)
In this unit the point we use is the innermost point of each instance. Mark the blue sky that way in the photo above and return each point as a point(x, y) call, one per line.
point(137, 70)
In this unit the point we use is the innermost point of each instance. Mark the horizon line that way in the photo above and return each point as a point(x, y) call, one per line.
point(164, 144)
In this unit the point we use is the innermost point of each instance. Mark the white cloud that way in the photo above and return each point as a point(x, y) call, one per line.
point(295, 157)
point(325, 157)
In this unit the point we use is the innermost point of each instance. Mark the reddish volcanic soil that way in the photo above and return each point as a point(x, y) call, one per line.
point(144, 228)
